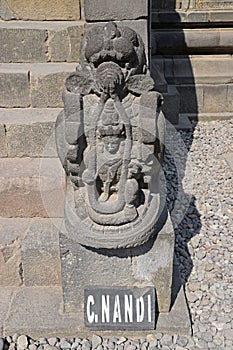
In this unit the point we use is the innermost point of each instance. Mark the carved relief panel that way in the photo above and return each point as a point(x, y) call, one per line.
point(110, 140)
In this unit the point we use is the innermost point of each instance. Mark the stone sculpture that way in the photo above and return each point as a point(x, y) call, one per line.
point(110, 140)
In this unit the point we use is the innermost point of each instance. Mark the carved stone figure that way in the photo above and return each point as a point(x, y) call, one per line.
point(110, 140)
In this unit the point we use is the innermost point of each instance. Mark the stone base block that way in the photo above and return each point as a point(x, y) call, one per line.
point(148, 265)
point(36, 311)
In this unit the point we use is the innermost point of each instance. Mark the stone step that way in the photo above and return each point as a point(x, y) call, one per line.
point(203, 82)
point(36, 85)
point(47, 41)
point(192, 17)
point(28, 132)
point(31, 187)
point(195, 40)
point(198, 69)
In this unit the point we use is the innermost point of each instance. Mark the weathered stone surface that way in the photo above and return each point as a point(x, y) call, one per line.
point(10, 264)
point(3, 144)
point(191, 98)
point(211, 69)
point(115, 10)
point(5, 13)
point(111, 268)
point(140, 26)
point(23, 45)
point(6, 296)
point(229, 159)
point(36, 312)
point(64, 45)
point(215, 98)
point(184, 123)
point(12, 229)
point(11, 235)
point(191, 16)
point(47, 84)
point(29, 140)
point(40, 10)
point(40, 254)
point(221, 16)
point(28, 132)
point(205, 40)
point(215, 4)
point(156, 265)
point(177, 321)
point(14, 86)
point(40, 41)
point(31, 187)
point(171, 105)
point(229, 104)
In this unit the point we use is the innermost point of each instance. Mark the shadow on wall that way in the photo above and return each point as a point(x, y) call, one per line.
point(172, 50)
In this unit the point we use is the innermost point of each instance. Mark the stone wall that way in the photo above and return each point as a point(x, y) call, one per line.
point(40, 44)
point(40, 10)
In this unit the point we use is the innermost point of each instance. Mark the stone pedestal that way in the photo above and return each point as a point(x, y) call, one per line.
point(150, 264)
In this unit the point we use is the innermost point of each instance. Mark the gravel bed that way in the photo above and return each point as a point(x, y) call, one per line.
point(199, 197)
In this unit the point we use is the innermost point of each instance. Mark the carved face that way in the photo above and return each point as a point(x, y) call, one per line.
point(111, 144)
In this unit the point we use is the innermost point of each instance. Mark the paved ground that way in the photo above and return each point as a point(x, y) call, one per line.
point(198, 172)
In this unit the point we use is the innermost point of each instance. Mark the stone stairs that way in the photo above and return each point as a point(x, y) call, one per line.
point(194, 48)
